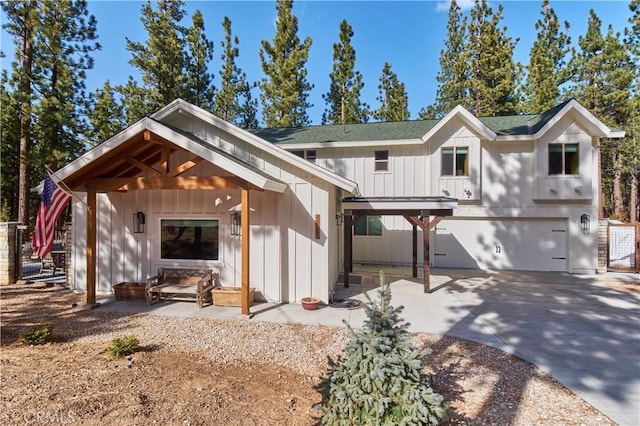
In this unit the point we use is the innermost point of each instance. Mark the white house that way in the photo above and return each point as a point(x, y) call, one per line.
point(518, 192)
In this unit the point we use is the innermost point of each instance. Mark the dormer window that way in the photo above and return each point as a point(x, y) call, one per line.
point(455, 161)
point(563, 159)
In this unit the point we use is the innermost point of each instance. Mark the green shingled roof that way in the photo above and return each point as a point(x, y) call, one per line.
point(506, 125)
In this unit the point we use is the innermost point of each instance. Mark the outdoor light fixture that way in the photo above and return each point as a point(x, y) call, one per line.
point(585, 223)
point(236, 222)
point(138, 223)
point(339, 218)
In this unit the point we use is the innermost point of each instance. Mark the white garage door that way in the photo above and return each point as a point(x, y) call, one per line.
point(528, 245)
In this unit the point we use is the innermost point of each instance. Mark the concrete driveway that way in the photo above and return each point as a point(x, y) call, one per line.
point(583, 333)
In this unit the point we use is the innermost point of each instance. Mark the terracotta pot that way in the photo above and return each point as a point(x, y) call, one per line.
point(310, 303)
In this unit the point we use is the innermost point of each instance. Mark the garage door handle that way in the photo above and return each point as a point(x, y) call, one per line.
point(558, 258)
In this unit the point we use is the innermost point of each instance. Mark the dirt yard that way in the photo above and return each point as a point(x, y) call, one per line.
point(231, 372)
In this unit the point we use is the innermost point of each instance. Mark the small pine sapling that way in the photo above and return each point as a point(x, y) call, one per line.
point(378, 379)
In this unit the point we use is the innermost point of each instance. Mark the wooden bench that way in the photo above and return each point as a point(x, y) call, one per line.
point(180, 284)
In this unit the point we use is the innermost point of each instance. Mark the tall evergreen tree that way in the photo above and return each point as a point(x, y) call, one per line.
point(493, 74)
point(546, 70)
point(65, 42)
point(22, 23)
point(343, 98)
point(55, 42)
point(233, 101)
point(106, 115)
point(199, 83)
point(393, 98)
point(603, 75)
point(632, 40)
point(285, 90)
point(453, 77)
point(161, 60)
point(9, 149)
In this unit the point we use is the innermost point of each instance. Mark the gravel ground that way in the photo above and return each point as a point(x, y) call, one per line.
point(203, 371)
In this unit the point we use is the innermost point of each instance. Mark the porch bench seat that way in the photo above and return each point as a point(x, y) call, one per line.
point(180, 284)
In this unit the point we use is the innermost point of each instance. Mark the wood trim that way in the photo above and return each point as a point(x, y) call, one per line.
point(168, 182)
point(142, 166)
point(185, 166)
point(244, 218)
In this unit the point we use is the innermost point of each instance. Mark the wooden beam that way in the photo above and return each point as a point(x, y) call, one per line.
point(414, 240)
point(164, 162)
point(142, 166)
point(348, 225)
point(167, 182)
point(427, 271)
point(185, 166)
point(244, 219)
point(91, 246)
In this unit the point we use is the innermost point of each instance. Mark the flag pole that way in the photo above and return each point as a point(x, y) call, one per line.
point(65, 187)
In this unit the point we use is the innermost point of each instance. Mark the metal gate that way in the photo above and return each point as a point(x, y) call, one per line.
point(624, 247)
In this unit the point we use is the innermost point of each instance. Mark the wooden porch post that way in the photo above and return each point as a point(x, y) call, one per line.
point(91, 246)
point(414, 235)
point(347, 223)
point(244, 219)
point(427, 271)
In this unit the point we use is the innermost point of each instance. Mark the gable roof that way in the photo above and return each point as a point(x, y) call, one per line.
point(180, 106)
point(117, 156)
point(514, 127)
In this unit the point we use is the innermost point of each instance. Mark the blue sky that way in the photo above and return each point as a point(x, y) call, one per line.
point(407, 34)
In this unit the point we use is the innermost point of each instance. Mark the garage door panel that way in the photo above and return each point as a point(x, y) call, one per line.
point(538, 245)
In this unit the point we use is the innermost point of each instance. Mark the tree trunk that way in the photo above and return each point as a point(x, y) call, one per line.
point(25, 119)
point(634, 212)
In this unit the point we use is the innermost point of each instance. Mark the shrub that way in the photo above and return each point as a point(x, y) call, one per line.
point(378, 379)
point(123, 346)
point(39, 335)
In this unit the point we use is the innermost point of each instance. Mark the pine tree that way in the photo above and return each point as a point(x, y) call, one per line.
point(161, 60)
point(233, 101)
point(343, 98)
point(54, 45)
point(106, 115)
point(378, 379)
point(9, 150)
point(393, 98)
point(603, 75)
point(546, 70)
point(632, 41)
point(493, 74)
point(285, 89)
point(452, 78)
point(199, 83)
point(22, 23)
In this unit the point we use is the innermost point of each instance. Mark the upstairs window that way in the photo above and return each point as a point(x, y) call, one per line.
point(455, 161)
point(563, 159)
point(381, 161)
point(309, 154)
point(368, 225)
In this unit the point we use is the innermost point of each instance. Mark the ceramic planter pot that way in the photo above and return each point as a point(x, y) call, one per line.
point(310, 303)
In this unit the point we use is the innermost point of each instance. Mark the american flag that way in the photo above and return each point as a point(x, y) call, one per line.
point(53, 201)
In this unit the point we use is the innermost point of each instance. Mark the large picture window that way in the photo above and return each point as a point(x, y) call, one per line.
point(455, 161)
point(193, 239)
point(563, 159)
point(368, 225)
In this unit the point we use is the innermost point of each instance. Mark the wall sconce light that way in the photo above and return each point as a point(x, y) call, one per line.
point(236, 222)
point(339, 218)
point(585, 223)
point(138, 223)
